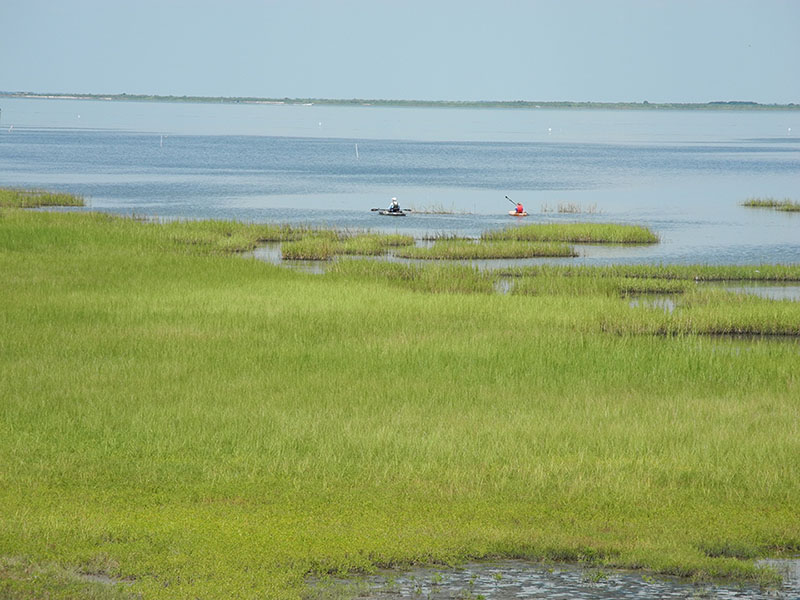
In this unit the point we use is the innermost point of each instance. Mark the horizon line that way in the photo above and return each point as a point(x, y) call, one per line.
point(386, 101)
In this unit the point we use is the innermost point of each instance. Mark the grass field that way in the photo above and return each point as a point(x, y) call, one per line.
point(179, 422)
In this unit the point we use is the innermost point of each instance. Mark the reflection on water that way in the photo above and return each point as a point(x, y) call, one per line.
point(514, 579)
point(772, 291)
point(504, 285)
point(270, 253)
point(665, 303)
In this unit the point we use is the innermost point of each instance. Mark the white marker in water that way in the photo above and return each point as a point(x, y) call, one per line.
point(356, 151)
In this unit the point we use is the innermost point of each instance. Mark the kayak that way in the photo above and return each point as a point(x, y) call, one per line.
point(388, 213)
point(514, 213)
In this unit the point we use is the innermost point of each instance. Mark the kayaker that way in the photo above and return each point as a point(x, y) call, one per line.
point(394, 206)
point(520, 210)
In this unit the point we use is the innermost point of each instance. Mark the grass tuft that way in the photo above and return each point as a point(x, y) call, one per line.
point(577, 233)
point(19, 198)
point(785, 205)
point(310, 248)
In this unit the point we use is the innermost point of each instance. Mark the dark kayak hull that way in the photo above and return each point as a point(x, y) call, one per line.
point(387, 213)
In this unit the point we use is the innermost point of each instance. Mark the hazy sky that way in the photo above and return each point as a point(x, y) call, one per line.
point(609, 50)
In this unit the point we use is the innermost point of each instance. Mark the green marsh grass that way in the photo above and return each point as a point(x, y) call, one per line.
point(326, 244)
point(441, 236)
point(373, 244)
point(310, 248)
point(700, 309)
point(210, 236)
point(571, 208)
point(431, 278)
point(197, 425)
point(468, 249)
point(698, 273)
point(715, 312)
point(225, 237)
point(19, 198)
point(588, 285)
point(785, 205)
point(577, 233)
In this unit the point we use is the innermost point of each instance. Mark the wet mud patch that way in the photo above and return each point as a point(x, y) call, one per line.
point(519, 580)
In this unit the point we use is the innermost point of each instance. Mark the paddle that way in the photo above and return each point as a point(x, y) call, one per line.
point(515, 205)
point(401, 210)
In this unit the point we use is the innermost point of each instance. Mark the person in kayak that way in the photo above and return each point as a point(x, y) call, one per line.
point(520, 210)
point(394, 206)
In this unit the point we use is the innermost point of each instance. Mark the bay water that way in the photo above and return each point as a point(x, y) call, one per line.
point(684, 174)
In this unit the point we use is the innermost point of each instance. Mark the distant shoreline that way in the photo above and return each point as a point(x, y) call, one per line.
point(513, 104)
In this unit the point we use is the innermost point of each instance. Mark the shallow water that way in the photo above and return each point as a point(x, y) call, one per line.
point(271, 253)
point(681, 173)
point(665, 303)
point(513, 579)
point(770, 291)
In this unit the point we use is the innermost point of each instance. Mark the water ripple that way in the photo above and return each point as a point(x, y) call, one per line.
point(520, 580)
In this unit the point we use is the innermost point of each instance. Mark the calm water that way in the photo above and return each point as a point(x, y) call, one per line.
point(520, 580)
point(683, 174)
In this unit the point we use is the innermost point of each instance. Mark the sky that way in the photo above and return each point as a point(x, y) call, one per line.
point(536, 50)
